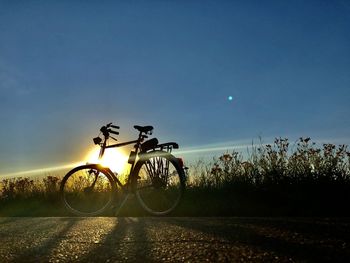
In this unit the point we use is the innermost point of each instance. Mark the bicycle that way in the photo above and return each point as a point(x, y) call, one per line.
point(156, 177)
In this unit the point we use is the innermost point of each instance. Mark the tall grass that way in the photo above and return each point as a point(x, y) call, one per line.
point(19, 187)
point(276, 164)
point(276, 179)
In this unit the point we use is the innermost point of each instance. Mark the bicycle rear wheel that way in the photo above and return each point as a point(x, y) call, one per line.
point(87, 190)
point(160, 184)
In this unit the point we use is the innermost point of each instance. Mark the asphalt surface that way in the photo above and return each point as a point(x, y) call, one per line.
point(148, 239)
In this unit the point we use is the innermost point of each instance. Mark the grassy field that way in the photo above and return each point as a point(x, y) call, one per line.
point(274, 180)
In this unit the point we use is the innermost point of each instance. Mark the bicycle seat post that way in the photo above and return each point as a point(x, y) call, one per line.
point(140, 140)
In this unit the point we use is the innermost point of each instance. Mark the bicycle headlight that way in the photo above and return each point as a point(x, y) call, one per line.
point(97, 140)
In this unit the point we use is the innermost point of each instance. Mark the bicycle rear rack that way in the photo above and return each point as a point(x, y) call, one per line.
point(169, 146)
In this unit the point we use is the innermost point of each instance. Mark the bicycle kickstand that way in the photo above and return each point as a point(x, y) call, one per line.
point(121, 204)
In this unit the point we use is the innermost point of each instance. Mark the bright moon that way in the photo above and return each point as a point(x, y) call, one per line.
point(112, 158)
point(230, 98)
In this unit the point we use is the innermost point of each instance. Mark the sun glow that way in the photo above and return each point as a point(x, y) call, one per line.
point(113, 158)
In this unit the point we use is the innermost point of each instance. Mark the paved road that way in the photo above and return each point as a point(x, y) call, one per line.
point(107, 239)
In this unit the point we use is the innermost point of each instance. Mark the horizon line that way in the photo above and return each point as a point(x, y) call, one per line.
point(214, 147)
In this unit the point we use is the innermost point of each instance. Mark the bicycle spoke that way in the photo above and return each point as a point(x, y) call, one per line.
point(86, 191)
point(159, 187)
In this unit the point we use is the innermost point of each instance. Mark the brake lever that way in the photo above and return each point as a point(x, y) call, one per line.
point(113, 138)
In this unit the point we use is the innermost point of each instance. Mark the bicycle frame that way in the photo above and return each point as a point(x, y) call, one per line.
point(132, 161)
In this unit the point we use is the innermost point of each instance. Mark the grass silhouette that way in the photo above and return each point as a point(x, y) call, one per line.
point(274, 180)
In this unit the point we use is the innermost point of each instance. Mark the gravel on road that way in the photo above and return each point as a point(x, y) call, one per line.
point(169, 239)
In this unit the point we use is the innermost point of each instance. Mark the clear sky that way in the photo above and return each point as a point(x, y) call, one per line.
point(67, 67)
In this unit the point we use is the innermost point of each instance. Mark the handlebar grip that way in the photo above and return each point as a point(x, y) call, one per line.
point(114, 126)
point(114, 132)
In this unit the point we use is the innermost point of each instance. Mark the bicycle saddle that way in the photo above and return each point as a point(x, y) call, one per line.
point(143, 128)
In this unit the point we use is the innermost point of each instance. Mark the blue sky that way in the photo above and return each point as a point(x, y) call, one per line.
point(67, 67)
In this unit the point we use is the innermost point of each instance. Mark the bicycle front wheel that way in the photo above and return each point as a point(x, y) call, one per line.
point(87, 190)
point(160, 184)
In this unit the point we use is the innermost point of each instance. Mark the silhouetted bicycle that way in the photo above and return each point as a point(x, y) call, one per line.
point(156, 177)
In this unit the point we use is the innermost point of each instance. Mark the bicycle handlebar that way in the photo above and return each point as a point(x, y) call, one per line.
point(109, 125)
point(106, 130)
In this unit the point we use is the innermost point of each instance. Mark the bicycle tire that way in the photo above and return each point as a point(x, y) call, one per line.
point(160, 182)
point(87, 190)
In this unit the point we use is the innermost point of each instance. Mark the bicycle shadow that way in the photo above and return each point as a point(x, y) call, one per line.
point(127, 241)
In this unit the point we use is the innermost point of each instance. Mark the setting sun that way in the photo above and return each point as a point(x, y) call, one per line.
point(115, 159)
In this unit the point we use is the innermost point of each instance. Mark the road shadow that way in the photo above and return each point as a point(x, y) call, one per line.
point(28, 222)
point(321, 228)
point(238, 232)
point(41, 252)
point(126, 242)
